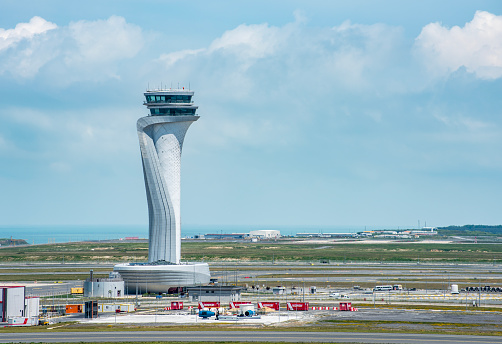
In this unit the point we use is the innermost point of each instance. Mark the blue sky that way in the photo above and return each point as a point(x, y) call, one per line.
point(318, 113)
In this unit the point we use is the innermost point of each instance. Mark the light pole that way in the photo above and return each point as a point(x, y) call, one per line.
point(304, 290)
point(425, 275)
point(444, 287)
point(479, 293)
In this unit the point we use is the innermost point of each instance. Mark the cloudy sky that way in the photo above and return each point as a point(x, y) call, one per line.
point(320, 113)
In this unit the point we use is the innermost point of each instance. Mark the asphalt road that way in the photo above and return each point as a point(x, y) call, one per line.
point(244, 336)
point(47, 289)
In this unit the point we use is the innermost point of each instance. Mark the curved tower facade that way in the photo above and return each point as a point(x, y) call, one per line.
point(161, 136)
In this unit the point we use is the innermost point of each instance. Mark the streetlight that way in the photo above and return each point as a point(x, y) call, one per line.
point(479, 292)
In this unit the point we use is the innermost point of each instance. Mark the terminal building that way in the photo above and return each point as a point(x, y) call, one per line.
point(161, 134)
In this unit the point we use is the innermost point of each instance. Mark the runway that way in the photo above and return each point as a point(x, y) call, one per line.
point(241, 336)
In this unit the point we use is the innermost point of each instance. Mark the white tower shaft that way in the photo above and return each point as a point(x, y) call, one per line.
point(161, 141)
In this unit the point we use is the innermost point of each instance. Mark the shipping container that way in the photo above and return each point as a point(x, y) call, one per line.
point(236, 304)
point(23, 321)
point(77, 290)
point(32, 307)
point(298, 306)
point(106, 307)
point(72, 309)
point(273, 305)
point(209, 305)
point(125, 308)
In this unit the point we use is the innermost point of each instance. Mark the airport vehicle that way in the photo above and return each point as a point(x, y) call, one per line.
point(339, 296)
point(397, 287)
point(206, 314)
point(383, 288)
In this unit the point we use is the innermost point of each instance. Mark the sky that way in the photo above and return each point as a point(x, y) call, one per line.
point(312, 113)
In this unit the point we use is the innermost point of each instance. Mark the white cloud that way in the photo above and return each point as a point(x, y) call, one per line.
point(349, 54)
point(68, 135)
point(477, 46)
point(247, 70)
point(22, 31)
point(250, 41)
point(104, 40)
point(171, 58)
point(30, 117)
point(84, 50)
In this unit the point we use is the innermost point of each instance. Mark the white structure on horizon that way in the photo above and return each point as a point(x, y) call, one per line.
point(265, 234)
point(161, 135)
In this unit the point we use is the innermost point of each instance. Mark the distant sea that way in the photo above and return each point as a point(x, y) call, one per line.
point(59, 233)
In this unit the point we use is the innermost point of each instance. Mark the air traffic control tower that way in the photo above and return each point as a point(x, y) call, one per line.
point(161, 136)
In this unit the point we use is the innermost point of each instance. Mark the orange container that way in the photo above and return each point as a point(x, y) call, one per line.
point(74, 309)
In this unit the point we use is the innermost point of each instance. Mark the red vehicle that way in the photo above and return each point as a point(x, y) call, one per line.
point(175, 305)
point(345, 306)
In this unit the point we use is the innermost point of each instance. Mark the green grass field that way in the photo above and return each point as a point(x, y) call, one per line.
point(238, 251)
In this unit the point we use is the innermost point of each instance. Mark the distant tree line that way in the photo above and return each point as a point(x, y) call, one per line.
point(474, 228)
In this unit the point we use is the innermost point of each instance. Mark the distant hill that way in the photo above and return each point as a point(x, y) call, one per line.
point(12, 242)
point(474, 229)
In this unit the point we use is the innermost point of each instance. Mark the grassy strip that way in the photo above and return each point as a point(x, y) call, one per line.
point(428, 307)
point(204, 342)
point(376, 273)
point(410, 327)
point(47, 277)
point(321, 326)
point(238, 251)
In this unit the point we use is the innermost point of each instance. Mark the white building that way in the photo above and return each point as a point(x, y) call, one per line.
point(161, 135)
point(265, 234)
point(113, 286)
point(16, 308)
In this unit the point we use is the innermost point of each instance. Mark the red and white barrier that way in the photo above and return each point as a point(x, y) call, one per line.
point(348, 308)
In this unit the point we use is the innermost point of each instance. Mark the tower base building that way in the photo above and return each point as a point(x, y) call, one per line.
point(142, 278)
point(161, 135)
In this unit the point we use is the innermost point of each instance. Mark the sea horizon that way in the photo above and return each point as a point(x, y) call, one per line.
point(44, 234)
